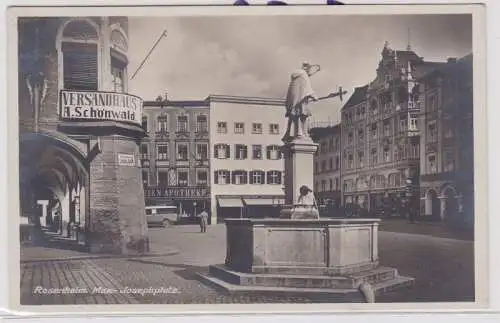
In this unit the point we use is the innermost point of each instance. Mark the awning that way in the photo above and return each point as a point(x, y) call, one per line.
point(230, 202)
point(264, 201)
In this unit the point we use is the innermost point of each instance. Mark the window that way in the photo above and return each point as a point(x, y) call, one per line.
point(256, 151)
point(162, 178)
point(257, 128)
point(316, 186)
point(387, 128)
point(239, 127)
point(330, 145)
point(374, 107)
point(274, 128)
point(145, 178)
point(183, 178)
point(117, 75)
point(80, 56)
point(222, 177)
point(162, 124)
point(431, 163)
point(323, 165)
point(350, 138)
point(361, 135)
point(202, 178)
point(449, 161)
point(330, 163)
point(431, 131)
point(373, 130)
point(432, 103)
point(239, 177)
point(387, 156)
point(448, 129)
point(274, 177)
point(182, 151)
point(413, 124)
point(144, 123)
point(350, 161)
point(162, 152)
point(361, 159)
point(201, 151)
point(201, 123)
point(143, 150)
point(240, 152)
point(403, 123)
point(257, 177)
point(222, 151)
point(323, 185)
point(221, 127)
point(337, 162)
point(273, 152)
point(337, 184)
point(374, 156)
point(182, 124)
point(323, 147)
point(396, 153)
point(331, 184)
point(414, 150)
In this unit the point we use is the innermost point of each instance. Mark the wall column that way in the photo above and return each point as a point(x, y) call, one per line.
point(43, 218)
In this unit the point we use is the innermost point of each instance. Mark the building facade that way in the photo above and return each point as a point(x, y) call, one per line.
point(327, 165)
point(246, 160)
point(175, 154)
point(447, 154)
point(79, 131)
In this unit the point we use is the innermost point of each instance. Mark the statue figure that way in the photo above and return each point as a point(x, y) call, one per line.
point(306, 197)
point(300, 94)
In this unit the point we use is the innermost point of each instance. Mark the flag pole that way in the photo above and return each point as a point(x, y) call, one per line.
point(163, 34)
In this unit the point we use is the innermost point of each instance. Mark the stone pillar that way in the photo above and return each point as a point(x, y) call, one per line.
point(65, 210)
point(43, 219)
point(117, 213)
point(443, 207)
point(299, 164)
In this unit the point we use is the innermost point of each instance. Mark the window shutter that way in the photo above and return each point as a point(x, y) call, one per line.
point(268, 180)
point(251, 177)
point(216, 151)
point(245, 180)
point(216, 177)
point(233, 177)
point(228, 179)
point(268, 152)
point(280, 174)
point(245, 152)
point(228, 151)
point(80, 67)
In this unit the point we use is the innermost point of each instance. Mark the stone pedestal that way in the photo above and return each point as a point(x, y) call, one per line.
point(335, 259)
point(299, 167)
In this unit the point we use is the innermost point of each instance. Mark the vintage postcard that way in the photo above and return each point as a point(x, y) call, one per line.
point(271, 159)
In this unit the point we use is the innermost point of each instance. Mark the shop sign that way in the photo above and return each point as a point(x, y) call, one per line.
point(96, 105)
point(126, 160)
point(177, 192)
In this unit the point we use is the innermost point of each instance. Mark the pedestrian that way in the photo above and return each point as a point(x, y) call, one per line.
point(203, 220)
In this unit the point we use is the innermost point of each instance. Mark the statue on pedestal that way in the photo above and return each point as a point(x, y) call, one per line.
point(299, 96)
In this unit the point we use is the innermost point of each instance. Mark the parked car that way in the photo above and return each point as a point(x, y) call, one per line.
point(160, 215)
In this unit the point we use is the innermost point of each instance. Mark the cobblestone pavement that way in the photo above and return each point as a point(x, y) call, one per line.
point(443, 268)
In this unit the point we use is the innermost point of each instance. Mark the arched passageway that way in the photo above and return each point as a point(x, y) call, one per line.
point(433, 204)
point(53, 181)
point(450, 203)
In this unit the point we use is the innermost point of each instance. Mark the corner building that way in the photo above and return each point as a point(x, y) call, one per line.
point(175, 154)
point(246, 161)
point(79, 132)
point(380, 133)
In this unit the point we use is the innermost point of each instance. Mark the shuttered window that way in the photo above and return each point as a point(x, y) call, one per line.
point(80, 66)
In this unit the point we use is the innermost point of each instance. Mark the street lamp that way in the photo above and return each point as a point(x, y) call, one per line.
point(409, 196)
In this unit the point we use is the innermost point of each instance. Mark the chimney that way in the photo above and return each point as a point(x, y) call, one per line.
point(452, 59)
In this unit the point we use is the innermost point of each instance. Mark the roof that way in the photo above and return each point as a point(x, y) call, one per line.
point(184, 103)
point(318, 133)
point(461, 68)
point(408, 55)
point(245, 100)
point(357, 97)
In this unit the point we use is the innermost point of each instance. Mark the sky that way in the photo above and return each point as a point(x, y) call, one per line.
point(254, 56)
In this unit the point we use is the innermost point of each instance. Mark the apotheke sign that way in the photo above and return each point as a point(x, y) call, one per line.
point(178, 192)
point(95, 105)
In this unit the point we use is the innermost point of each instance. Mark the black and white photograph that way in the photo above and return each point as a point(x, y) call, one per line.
point(209, 157)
